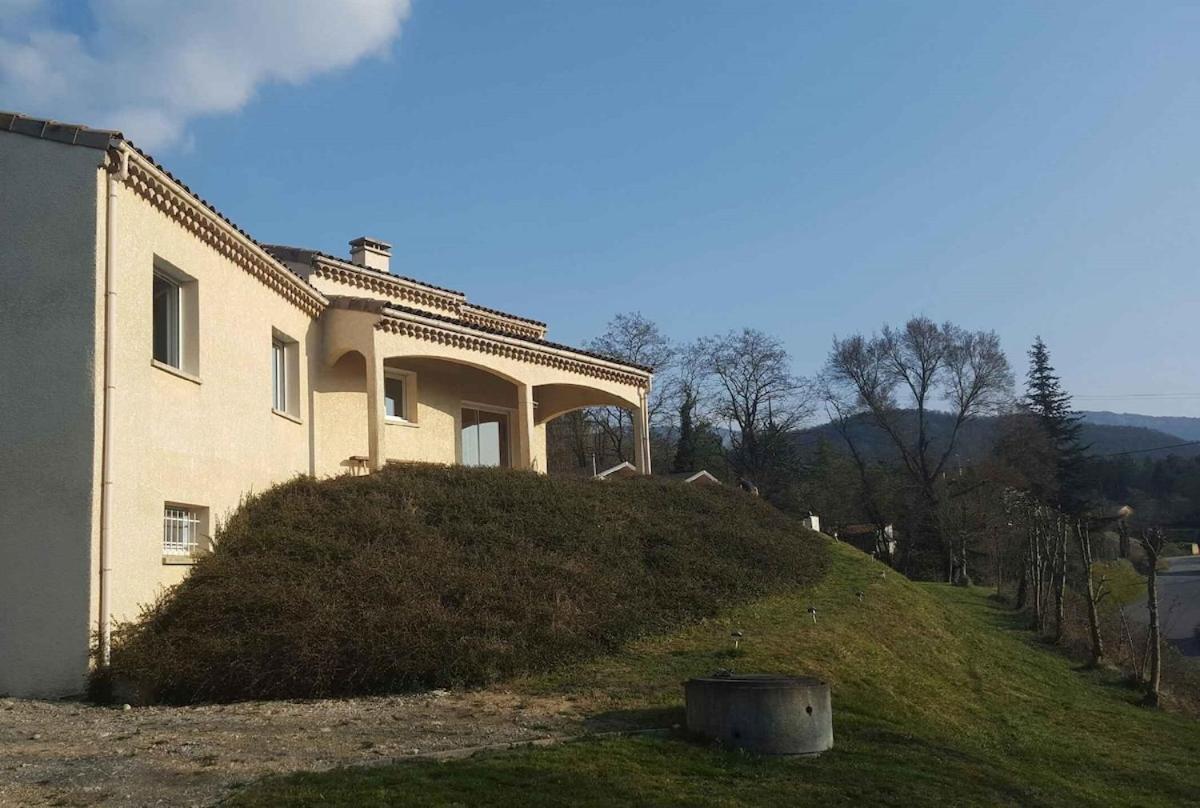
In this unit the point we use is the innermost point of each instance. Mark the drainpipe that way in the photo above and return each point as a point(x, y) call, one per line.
point(118, 171)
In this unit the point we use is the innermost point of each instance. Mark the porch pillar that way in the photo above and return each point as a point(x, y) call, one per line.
point(524, 428)
point(641, 437)
point(375, 410)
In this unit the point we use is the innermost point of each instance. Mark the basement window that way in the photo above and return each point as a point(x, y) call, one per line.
point(184, 531)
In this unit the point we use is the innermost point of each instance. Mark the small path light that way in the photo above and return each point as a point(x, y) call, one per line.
point(813, 611)
point(737, 638)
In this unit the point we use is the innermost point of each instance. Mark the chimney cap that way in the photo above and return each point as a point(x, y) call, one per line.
point(371, 243)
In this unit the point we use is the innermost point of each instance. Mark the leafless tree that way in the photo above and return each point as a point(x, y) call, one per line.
point(633, 338)
point(1153, 541)
point(1084, 539)
point(759, 398)
point(896, 379)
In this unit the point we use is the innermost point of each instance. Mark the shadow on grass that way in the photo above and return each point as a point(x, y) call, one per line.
point(629, 720)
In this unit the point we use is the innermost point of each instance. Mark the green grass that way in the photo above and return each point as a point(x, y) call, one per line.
point(940, 697)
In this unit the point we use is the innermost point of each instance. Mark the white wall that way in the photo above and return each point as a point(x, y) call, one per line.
point(49, 196)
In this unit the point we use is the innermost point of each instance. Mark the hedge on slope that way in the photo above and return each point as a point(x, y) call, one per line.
point(425, 576)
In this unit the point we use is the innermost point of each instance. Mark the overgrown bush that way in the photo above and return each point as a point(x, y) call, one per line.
point(424, 576)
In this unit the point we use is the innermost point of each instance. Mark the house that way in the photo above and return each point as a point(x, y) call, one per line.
point(880, 543)
point(158, 364)
point(701, 477)
point(620, 471)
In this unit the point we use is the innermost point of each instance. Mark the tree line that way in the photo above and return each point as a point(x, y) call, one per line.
point(1029, 512)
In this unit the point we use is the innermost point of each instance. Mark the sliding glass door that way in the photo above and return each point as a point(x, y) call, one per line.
point(484, 437)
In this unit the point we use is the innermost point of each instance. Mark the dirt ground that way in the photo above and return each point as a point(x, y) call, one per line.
point(70, 753)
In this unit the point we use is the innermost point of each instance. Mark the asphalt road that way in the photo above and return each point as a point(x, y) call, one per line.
point(1178, 604)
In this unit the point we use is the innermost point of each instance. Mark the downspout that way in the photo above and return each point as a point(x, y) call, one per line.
point(118, 172)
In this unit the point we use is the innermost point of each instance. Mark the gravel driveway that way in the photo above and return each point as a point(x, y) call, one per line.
point(69, 753)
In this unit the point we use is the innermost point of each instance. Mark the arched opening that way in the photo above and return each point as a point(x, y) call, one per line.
point(445, 411)
point(588, 431)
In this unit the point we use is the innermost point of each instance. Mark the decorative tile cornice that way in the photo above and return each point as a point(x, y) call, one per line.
point(411, 293)
point(547, 356)
point(471, 313)
point(168, 196)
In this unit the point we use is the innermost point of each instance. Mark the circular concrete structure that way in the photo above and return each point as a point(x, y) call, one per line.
point(770, 715)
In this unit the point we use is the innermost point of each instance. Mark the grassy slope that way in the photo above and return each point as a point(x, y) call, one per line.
point(938, 696)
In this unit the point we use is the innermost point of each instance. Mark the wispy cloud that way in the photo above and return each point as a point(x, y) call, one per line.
point(148, 67)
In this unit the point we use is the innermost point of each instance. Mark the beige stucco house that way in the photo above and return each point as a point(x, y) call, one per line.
point(157, 364)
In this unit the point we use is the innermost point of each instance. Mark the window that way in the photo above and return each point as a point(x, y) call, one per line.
point(285, 375)
point(484, 437)
point(175, 312)
point(166, 320)
point(279, 375)
point(181, 530)
point(399, 395)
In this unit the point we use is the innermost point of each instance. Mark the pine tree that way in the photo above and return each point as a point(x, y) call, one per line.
point(1051, 405)
point(685, 448)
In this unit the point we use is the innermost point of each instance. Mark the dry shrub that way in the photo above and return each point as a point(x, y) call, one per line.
point(425, 576)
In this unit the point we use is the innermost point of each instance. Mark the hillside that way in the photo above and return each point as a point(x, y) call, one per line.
point(977, 437)
point(1179, 426)
point(940, 698)
point(423, 576)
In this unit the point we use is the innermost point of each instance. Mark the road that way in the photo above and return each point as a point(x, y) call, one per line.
point(1178, 604)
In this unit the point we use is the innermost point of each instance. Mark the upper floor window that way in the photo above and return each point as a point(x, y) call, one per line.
point(167, 304)
point(175, 313)
point(285, 374)
point(279, 375)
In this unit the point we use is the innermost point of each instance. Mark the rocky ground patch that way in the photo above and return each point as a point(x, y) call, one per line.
point(71, 753)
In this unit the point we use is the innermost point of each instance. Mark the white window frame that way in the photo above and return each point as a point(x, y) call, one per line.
point(184, 530)
point(408, 401)
point(509, 414)
point(174, 337)
point(285, 375)
point(183, 357)
point(279, 375)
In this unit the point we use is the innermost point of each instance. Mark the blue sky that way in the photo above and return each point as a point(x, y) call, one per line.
point(808, 169)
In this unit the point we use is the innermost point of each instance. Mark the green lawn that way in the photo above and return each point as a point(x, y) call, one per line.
point(939, 698)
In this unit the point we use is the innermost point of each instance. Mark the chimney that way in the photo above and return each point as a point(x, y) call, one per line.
point(371, 253)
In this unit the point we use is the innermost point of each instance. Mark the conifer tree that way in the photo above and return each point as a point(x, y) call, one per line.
point(1051, 406)
point(685, 448)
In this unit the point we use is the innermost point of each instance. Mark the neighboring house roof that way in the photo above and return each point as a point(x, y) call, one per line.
point(625, 469)
point(702, 477)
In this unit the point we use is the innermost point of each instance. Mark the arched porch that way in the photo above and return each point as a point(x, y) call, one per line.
point(447, 395)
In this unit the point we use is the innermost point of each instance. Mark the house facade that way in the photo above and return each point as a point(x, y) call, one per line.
point(159, 364)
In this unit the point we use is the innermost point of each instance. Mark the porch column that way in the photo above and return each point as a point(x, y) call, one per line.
point(523, 428)
point(641, 437)
point(375, 409)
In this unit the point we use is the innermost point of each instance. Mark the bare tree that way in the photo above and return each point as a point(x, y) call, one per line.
point(633, 338)
point(897, 377)
point(761, 401)
point(1084, 538)
point(1153, 541)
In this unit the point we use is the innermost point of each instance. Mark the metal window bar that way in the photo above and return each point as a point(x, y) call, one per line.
point(181, 531)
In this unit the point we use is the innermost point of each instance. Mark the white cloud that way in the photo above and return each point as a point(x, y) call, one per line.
point(147, 67)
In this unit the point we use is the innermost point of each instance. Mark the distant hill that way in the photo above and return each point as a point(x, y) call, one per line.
point(1175, 425)
point(978, 437)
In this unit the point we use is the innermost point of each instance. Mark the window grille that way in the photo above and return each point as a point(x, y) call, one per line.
point(181, 530)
